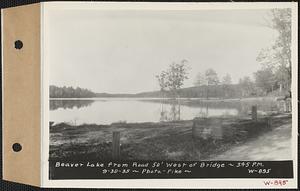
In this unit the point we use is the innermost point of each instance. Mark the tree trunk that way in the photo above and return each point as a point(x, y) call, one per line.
point(178, 106)
point(280, 87)
point(207, 91)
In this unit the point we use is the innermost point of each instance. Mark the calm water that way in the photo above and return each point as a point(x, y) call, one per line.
point(113, 110)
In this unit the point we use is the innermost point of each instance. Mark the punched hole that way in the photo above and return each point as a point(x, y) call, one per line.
point(17, 147)
point(18, 44)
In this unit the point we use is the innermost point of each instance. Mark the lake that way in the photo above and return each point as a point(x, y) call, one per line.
point(134, 110)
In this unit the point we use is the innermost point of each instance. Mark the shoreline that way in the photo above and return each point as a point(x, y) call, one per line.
point(173, 140)
point(169, 98)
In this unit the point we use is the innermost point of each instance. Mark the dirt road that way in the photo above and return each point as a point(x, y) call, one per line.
point(272, 145)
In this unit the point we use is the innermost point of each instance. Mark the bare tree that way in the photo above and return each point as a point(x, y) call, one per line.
point(200, 81)
point(211, 78)
point(172, 79)
point(226, 82)
point(246, 85)
point(162, 82)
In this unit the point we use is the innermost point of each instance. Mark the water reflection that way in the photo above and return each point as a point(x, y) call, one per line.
point(110, 110)
point(243, 110)
point(69, 104)
point(170, 113)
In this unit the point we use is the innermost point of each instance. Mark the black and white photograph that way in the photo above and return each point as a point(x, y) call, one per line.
point(168, 85)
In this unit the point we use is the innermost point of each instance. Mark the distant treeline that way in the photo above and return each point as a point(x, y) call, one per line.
point(70, 92)
point(214, 91)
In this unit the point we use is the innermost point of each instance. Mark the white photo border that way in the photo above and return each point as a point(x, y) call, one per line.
point(163, 183)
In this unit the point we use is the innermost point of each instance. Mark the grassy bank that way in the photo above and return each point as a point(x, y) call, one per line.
point(175, 140)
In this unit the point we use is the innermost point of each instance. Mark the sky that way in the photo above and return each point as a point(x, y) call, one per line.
point(122, 51)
